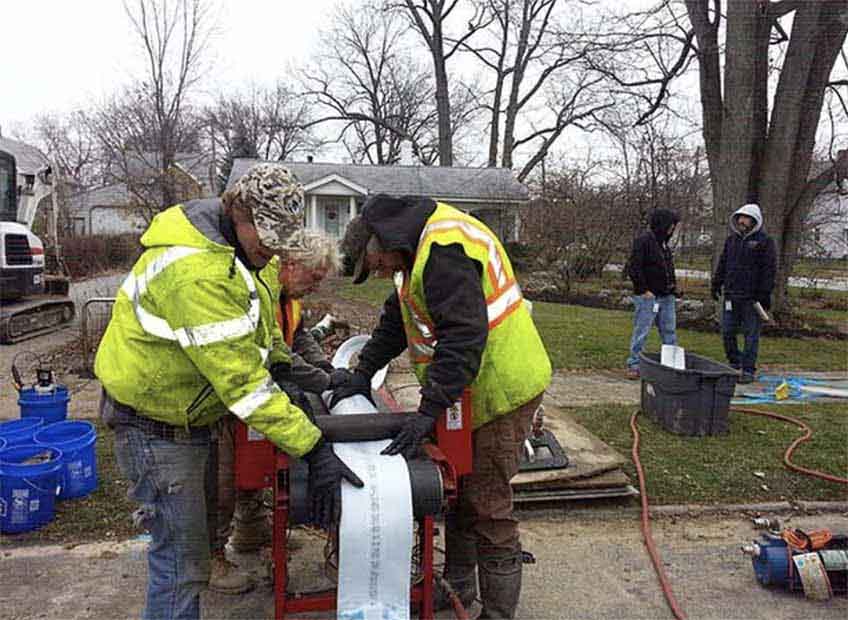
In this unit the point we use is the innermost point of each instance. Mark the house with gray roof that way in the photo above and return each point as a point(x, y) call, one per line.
point(335, 192)
point(115, 208)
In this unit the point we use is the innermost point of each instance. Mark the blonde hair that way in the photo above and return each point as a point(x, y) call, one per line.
point(314, 250)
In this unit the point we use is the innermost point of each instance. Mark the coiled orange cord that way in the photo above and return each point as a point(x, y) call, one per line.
point(787, 456)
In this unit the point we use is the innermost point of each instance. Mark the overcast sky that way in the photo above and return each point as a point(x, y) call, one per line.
point(56, 55)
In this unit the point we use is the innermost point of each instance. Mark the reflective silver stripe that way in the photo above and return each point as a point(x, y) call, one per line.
point(258, 397)
point(215, 332)
point(264, 353)
point(135, 286)
point(421, 349)
point(496, 308)
point(420, 324)
point(253, 311)
point(472, 232)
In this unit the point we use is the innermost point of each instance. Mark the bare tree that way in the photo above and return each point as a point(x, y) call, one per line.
point(759, 140)
point(131, 144)
point(142, 128)
point(74, 153)
point(540, 77)
point(268, 123)
point(69, 143)
point(366, 79)
point(430, 18)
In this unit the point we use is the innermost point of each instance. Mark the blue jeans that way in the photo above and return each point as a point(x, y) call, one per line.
point(169, 481)
point(741, 317)
point(644, 316)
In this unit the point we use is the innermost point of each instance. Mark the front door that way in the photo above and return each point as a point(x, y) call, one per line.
point(335, 214)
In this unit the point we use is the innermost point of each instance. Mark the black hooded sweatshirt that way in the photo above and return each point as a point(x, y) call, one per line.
point(454, 296)
point(651, 266)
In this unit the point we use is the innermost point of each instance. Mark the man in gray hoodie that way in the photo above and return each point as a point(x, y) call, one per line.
point(745, 274)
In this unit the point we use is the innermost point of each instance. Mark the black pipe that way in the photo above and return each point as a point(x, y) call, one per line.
point(361, 426)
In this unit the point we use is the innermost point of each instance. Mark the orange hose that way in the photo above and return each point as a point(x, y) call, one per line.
point(458, 608)
point(787, 456)
point(646, 527)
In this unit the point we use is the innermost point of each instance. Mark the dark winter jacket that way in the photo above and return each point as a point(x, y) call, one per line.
point(748, 262)
point(651, 265)
point(455, 301)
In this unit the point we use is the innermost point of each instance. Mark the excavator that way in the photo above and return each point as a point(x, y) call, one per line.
point(32, 301)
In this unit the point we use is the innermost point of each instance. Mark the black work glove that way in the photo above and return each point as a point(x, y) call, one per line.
point(765, 301)
point(409, 439)
point(297, 397)
point(345, 384)
point(326, 472)
point(715, 292)
point(325, 366)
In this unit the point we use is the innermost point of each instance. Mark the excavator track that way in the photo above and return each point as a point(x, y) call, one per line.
point(34, 317)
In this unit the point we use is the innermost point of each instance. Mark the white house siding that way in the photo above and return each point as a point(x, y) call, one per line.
point(827, 227)
point(113, 221)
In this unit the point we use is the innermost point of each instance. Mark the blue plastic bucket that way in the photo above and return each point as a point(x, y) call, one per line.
point(16, 432)
point(52, 405)
point(28, 490)
point(76, 439)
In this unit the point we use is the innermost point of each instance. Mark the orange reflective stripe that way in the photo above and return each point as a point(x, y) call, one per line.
point(494, 270)
point(510, 309)
point(499, 291)
point(288, 325)
point(291, 323)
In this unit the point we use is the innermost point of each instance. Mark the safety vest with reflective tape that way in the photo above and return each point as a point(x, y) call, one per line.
point(192, 334)
point(515, 367)
point(293, 309)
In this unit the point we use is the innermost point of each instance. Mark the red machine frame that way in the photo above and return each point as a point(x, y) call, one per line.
point(258, 465)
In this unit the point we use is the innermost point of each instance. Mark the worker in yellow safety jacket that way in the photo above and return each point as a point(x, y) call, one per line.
point(459, 311)
point(242, 518)
point(193, 336)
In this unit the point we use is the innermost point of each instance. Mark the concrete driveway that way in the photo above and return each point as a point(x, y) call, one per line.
point(591, 568)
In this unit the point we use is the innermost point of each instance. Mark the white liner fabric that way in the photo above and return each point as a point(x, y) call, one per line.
point(375, 533)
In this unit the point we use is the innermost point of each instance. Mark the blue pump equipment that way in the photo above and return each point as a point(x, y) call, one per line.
point(819, 570)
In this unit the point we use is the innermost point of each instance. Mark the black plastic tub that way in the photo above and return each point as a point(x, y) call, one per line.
point(694, 401)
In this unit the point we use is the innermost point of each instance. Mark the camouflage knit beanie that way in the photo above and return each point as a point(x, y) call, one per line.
point(274, 197)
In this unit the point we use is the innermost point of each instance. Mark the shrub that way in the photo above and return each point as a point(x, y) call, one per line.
point(89, 255)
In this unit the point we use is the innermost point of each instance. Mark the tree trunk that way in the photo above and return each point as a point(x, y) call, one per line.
point(443, 110)
point(517, 77)
point(818, 33)
point(712, 104)
point(738, 133)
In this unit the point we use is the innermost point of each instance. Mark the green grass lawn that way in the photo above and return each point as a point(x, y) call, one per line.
point(721, 469)
point(578, 337)
point(581, 338)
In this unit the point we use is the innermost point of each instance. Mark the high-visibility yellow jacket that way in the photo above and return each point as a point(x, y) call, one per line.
point(193, 333)
point(515, 367)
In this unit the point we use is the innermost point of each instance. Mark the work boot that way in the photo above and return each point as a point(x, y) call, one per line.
point(460, 565)
point(500, 583)
point(226, 578)
point(250, 536)
point(251, 524)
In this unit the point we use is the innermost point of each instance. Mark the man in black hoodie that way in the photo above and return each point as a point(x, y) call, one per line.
point(651, 269)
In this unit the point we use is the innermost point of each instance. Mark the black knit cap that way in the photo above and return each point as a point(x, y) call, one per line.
point(356, 240)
